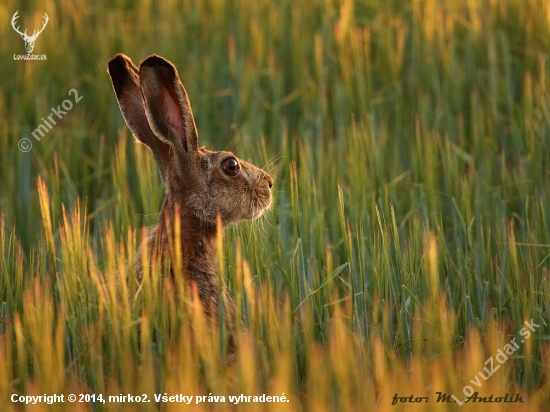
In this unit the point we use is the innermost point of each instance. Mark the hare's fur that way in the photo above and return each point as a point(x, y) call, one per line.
point(200, 184)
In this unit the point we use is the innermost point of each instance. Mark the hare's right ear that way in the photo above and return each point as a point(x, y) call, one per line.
point(169, 111)
point(125, 79)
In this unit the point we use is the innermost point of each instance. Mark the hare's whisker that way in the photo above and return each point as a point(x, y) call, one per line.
point(271, 161)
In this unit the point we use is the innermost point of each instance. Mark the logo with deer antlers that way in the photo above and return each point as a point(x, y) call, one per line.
point(29, 40)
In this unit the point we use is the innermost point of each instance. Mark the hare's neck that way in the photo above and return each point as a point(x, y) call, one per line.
point(198, 243)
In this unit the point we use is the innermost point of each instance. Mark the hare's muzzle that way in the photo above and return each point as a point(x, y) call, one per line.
point(269, 180)
point(261, 199)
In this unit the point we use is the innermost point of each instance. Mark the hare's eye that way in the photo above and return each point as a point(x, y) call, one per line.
point(230, 166)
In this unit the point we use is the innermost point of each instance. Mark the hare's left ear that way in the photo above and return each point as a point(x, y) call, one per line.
point(168, 108)
point(125, 79)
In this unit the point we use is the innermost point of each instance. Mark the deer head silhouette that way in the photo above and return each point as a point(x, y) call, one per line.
point(29, 40)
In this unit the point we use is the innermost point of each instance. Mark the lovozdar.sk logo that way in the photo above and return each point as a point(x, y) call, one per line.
point(29, 40)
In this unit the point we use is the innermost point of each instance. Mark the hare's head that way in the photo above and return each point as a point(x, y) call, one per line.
point(207, 183)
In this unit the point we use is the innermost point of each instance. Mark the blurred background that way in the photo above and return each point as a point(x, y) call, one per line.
point(410, 146)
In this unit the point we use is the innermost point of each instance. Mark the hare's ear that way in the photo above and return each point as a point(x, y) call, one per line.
point(168, 108)
point(125, 79)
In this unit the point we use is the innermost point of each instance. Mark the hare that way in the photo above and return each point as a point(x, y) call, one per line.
point(200, 184)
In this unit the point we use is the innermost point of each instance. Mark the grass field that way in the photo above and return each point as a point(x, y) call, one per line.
point(409, 238)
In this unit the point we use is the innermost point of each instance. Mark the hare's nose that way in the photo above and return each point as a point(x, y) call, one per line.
point(269, 180)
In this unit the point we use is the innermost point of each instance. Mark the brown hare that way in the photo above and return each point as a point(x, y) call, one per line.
point(200, 184)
